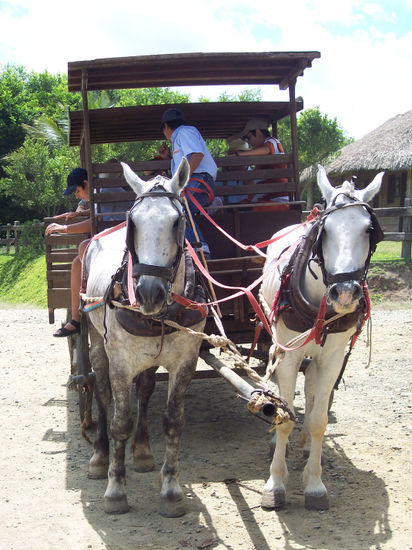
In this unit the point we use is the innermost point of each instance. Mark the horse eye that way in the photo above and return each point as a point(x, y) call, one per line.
point(175, 225)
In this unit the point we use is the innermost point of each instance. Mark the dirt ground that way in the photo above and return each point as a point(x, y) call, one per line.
point(48, 502)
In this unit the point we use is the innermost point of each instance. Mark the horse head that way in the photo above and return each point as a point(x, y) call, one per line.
point(348, 235)
point(155, 236)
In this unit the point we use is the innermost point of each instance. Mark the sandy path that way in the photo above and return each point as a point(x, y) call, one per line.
point(47, 501)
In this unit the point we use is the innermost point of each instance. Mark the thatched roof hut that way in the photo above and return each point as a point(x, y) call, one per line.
point(388, 147)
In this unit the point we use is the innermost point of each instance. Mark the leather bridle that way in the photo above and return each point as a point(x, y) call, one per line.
point(375, 236)
point(164, 272)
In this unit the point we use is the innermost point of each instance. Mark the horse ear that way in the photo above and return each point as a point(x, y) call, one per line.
point(132, 179)
point(370, 191)
point(181, 177)
point(324, 184)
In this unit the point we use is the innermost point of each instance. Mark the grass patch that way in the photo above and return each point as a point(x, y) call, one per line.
point(387, 251)
point(23, 279)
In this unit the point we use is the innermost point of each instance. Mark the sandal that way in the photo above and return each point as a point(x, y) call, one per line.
point(63, 331)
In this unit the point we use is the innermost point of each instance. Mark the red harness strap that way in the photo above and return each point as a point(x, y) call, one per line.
point(208, 191)
point(252, 247)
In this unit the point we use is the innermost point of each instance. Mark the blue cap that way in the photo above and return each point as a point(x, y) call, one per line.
point(171, 115)
point(74, 179)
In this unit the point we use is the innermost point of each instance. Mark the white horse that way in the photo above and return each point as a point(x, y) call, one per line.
point(127, 346)
point(331, 261)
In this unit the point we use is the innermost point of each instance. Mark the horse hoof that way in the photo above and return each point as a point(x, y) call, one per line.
point(273, 500)
point(317, 502)
point(143, 465)
point(98, 471)
point(116, 505)
point(172, 508)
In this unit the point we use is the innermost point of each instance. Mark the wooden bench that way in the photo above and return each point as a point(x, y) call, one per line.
point(60, 252)
point(230, 265)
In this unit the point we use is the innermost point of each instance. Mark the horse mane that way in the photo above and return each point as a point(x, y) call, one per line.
point(348, 188)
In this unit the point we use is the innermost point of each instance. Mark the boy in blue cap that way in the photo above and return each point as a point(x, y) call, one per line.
point(77, 183)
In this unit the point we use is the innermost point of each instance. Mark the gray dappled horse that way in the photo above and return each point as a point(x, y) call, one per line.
point(331, 261)
point(127, 345)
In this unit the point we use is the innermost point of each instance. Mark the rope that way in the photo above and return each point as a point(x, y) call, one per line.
point(89, 299)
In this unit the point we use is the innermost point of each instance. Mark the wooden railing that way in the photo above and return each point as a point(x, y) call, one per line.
point(10, 234)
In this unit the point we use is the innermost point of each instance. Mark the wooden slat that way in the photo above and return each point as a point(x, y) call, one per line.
point(58, 298)
point(66, 256)
point(189, 69)
point(142, 123)
point(59, 278)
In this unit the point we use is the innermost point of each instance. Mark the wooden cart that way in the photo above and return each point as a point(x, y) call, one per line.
point(230, 265)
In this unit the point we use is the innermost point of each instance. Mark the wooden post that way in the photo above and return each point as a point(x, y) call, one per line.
point(17, 230)
point(87, 148)
point(294, 137)
point(8, 238)
point(407, 228)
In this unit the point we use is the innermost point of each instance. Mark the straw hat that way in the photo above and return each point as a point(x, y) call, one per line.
point(234, 143)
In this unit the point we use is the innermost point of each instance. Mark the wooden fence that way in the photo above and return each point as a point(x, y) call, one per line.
point(10, 234)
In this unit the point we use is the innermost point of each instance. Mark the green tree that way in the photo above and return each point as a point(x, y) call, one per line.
point(36, 176)
point(319, 137)
point(16, 108)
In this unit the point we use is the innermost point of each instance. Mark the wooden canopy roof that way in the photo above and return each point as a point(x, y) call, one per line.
point(191, 69)
point(140, 123)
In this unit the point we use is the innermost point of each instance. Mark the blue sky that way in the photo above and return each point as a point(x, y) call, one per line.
point(363, 78)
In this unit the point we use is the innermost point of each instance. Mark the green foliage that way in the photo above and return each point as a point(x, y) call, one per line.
point(35, 158)
point(319, 137)
point(23, 279)
point(36, 176)
point(24, 97)
point(31, 240)
point(15, 108)
point(147, 96)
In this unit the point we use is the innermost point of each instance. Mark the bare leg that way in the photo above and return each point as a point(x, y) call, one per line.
point(75, 282)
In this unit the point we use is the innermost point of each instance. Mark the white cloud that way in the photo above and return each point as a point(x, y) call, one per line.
point(362, 78)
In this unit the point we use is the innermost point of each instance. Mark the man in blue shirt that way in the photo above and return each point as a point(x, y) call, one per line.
point(187, 142)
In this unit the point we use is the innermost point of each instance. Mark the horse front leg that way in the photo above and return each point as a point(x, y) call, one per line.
point(115, 499)
point(99, 462)
point(171, 494)
point(316, 495)
point(310, 374)
point(274, 492)
point(142, 453)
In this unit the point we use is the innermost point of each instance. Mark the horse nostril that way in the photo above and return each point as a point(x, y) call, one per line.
point(333, 293)
point(357, 291)
point(139, 297)
point(159, 295)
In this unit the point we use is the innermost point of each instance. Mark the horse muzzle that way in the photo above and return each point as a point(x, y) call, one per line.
point(344, 296)
point(151, 294)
